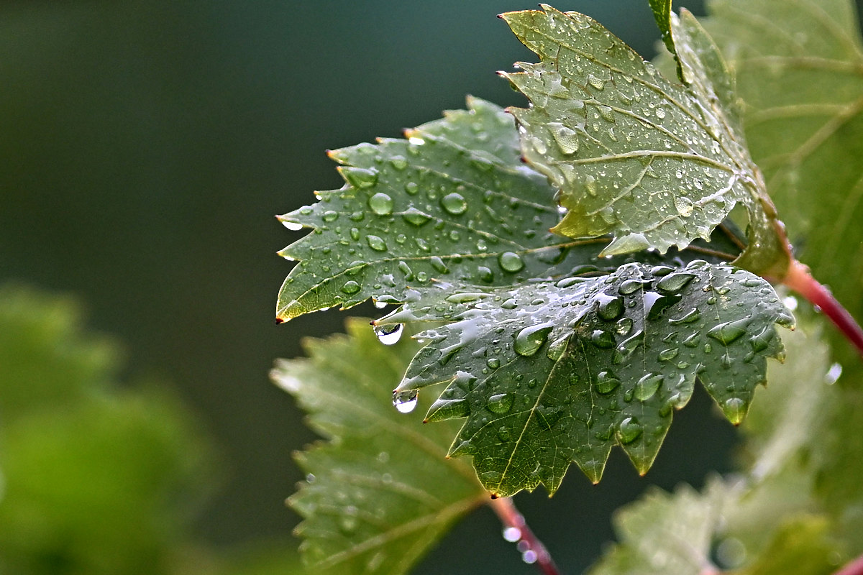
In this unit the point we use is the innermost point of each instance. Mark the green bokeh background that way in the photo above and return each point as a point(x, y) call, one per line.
point(145, 147)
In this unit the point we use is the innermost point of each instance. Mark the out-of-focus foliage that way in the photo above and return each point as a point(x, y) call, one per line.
point(97, 478)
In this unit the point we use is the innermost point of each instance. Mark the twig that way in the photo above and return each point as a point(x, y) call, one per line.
point(800, 280)
point(517, 531)
point(853, 568)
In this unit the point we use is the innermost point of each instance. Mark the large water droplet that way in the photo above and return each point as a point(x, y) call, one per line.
point(629, 430)
point(761, 341)
point(597, 83)
point(454, 203)
point(439, 265)
point(647, 386)
point(350, 287)
point(684, 206)
point(293, 226)
point(565, 138)
point(673, 283)
point(389, 334)
point(734, 409)
point(485, 274)
point(530, 339)
point(689, 317)
point(624, 326)
point(444, 409)
point(606, 382)
point(376, 243)
point(405, 401)
point(360, 177)
point(610, 307)
point(730, 331)
point(415, 217)
point(510, 262)
point(668, 354)
point(399, 163)
point(557, 348)
point(381, 204)
point(500, 403)
point(629, 286)
point(602, 339)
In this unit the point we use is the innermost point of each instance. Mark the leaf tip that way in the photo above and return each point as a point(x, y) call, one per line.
point(279, 320)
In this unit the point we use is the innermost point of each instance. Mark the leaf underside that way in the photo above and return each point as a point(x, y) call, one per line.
point(548, 373)
point(380, 493)
point(652, 162)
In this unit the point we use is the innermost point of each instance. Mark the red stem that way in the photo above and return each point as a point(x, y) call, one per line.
point(853, 568)
point(800, 280)
point(528, 544)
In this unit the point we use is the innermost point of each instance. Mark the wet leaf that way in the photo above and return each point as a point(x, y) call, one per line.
point(653, 162)
point(450, 202)
point(553, 372)
point(380, 492)
point(799, 68)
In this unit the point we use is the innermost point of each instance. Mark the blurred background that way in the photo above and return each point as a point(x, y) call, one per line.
point(145, 148)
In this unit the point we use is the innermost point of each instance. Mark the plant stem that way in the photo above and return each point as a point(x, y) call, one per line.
point(853, 568)
point(800, 280)
point(532, 549)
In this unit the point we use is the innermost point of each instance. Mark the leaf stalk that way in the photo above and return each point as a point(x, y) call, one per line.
point(800, 280)
point(532, 549)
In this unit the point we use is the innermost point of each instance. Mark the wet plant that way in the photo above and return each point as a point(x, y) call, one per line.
point(568, 271)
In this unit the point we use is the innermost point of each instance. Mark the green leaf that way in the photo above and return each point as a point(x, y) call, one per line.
point(380, 491)
point(665, 534)
point(662, 14)
point(799, 68)
point(655, 163)
point(453, 201)
point(548, 373)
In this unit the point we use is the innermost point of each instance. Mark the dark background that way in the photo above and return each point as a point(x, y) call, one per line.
point(145, 148)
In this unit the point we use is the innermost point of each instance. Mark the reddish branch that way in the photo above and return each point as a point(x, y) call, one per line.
point(532, 549)
point(800, 280)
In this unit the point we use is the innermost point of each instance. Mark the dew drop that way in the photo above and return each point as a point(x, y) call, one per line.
point(610, 308)
point(510, 262)
point(673, 283)
point(734, 409)
point(624, 326)
point(629, 287)
point(689, 317)
point(730, 331)
point(485, 274)
point(350, 287)
point(629, 430)
point(606, 382)
point(293, 226)
point(405, 401)
point(493, 363)
point(389, 334)
point(647, 386)
point(381, 204)
point(376, 243)
point(399, 163)
point(360, 177)
point(500, 403)
point(531, 339)
point(602, 339)
point(415, 217)
point(439, 265)
point(595, 82)
point(565, 138)
point(761, 341)
point(330, 216)
point(454, 203)
point(668, 354)
point(412, 188)
point(557, 348)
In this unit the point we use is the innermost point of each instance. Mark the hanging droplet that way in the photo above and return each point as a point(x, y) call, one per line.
point(510, 262)
point(389, 334)
point(405, 401)
point(531, 339)
point(734, 409)
point(293, 226)
point(454, 203)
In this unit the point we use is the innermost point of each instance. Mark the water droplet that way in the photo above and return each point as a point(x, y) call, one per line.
point(602, 339)
point(730, 331)
point(406, 270)
point(606, 112)
point(624, 326)
point(647, 386)
point(565, 138)
point(761, 341)
point(381, 204)
point(500, 403)
point(454, 203)
point(595, 82)
point(399, 162)
point(415, 217)
point(376, 243)
point(668, 354)
point(734, 409)
point(293, 226)
point(530, 339)
point(439, 265)
point(606, 382)
point(655, 304)
point(351, 287)
point(503, 433)
point(590, 185)
point(510, 262)
point(443, 409)
point(689, 317)
point(629, 286)
point(673, 283)
point(557, 348)
point(412, 188)
point(512, 534)
point(511, 303)
point(330, 216)
point(568, 282)
point(610, 307)
point(485, 274)
point(389, 334)
point(360, 177)
point(629, 430)
point(405, 401)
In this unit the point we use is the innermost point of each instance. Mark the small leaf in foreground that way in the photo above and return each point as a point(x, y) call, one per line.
point(380, 492)
point(655, 163)
point(548, 373)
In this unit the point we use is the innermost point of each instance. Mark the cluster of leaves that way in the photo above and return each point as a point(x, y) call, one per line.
point(96, 479)
point(556, 346)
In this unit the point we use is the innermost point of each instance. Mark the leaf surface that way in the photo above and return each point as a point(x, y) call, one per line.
point(453, 201)
point(548, 373)
point(655, 163)
point(380, 491)
point(799, 68)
